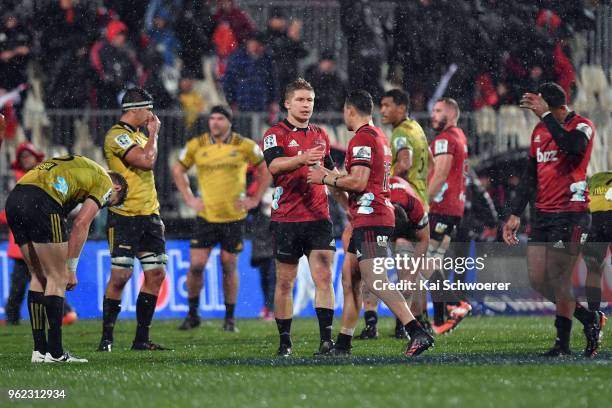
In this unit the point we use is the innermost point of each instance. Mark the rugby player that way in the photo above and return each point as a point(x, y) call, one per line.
point(301, 222)
point(561, 145)
point(412, 160)
point(446, 192)
point(368, 163)
point(135, 229)
point(221, 158)
point(36, 212)
point(596, 248)
point(411, 239)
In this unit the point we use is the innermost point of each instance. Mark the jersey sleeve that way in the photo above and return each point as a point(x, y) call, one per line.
point(272, 145)
point(252, 152)
point(360, 150)
point(187, 154)
point(444, 145)
point(417, 215)
point(102, 187)
point(120, 143)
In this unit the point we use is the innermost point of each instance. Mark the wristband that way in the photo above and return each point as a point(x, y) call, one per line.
point(544, 114)
point(72, 264)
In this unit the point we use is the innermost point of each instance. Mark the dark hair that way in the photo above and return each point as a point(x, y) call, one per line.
point(119, 179)
point(360, 100)
point(135, 96)
point(222, 110)
point(299, 83)
point(553, 94)
point(399, 97)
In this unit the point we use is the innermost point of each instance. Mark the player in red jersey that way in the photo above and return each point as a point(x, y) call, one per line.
point(368, 163)
point(411, 239)
point(560, 151)
point(447, 200)
point(301, 224)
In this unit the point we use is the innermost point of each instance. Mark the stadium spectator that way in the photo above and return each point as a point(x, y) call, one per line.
point(194, 30)
point(15, 43)
point(250, 83)
point(366, 48)
point(239, 22)
point(115, 65)
point(67, 25)
point(191, 102)
point(329, 86)
point(286, 46)
point(163, 38)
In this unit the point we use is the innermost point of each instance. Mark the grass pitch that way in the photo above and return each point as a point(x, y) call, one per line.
point(486, 362)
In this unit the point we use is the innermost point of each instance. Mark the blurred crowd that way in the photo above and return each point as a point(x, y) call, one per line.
point(481, 52)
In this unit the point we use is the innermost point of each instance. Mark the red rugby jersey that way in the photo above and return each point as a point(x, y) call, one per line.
point(450, 200)
point(402, 193)
point(294, 199)
point(369, 147)
point(561, 178)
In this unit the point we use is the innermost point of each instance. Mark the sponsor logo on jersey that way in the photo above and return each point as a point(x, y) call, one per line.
point(536, 139)
point(46, 166)
point(545, 157)
point(583, 238)
point(559, 244)
point(609, 194)
point(293, 143)
point(362, 153)
point(124, 141)
point(441, 146)
point(269, 142)
point(61, 185)
point(382, 240)
point(107, 196)
point(399, 143)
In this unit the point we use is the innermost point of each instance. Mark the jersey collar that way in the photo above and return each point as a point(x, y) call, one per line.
point(569, 117)
point(227, 140)
point(295, 128)
point(127, 126)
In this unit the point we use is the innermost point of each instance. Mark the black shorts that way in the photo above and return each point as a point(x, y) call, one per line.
point(600, 236)
point(371, 242)
point(567, 231)
point(294, 239)
point(33, 216)
point(441, 225)
point(129, 236)
point(208, 234)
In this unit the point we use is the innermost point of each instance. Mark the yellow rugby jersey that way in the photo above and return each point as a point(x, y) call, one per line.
point(69, 180)
point(600, 191)
point(409, 135)
point(142, 196)
point(221, 170)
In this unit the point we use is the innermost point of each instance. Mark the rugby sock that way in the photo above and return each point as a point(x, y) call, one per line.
point(593, 296)
point(564, 330)
point(284, 330)
point(370, 317)
point(344, 341)
point(413, 327)
point(583, 315)
point(110, 311)
point(229, 310)
point(398, 324)
point(36, 309)
point(326, 320)
point(54, 307)
point(439, 315)
point(145, 308)
point(194, 304)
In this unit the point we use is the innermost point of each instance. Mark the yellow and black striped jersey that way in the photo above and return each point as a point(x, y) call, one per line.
point(69, 180)
point(221, 170)
point(142, 195)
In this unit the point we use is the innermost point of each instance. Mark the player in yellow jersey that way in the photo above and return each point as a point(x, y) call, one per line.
point(594, 252)
point(134, 229)
point(221, 158)
point(36, 212)
point(411, 160)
